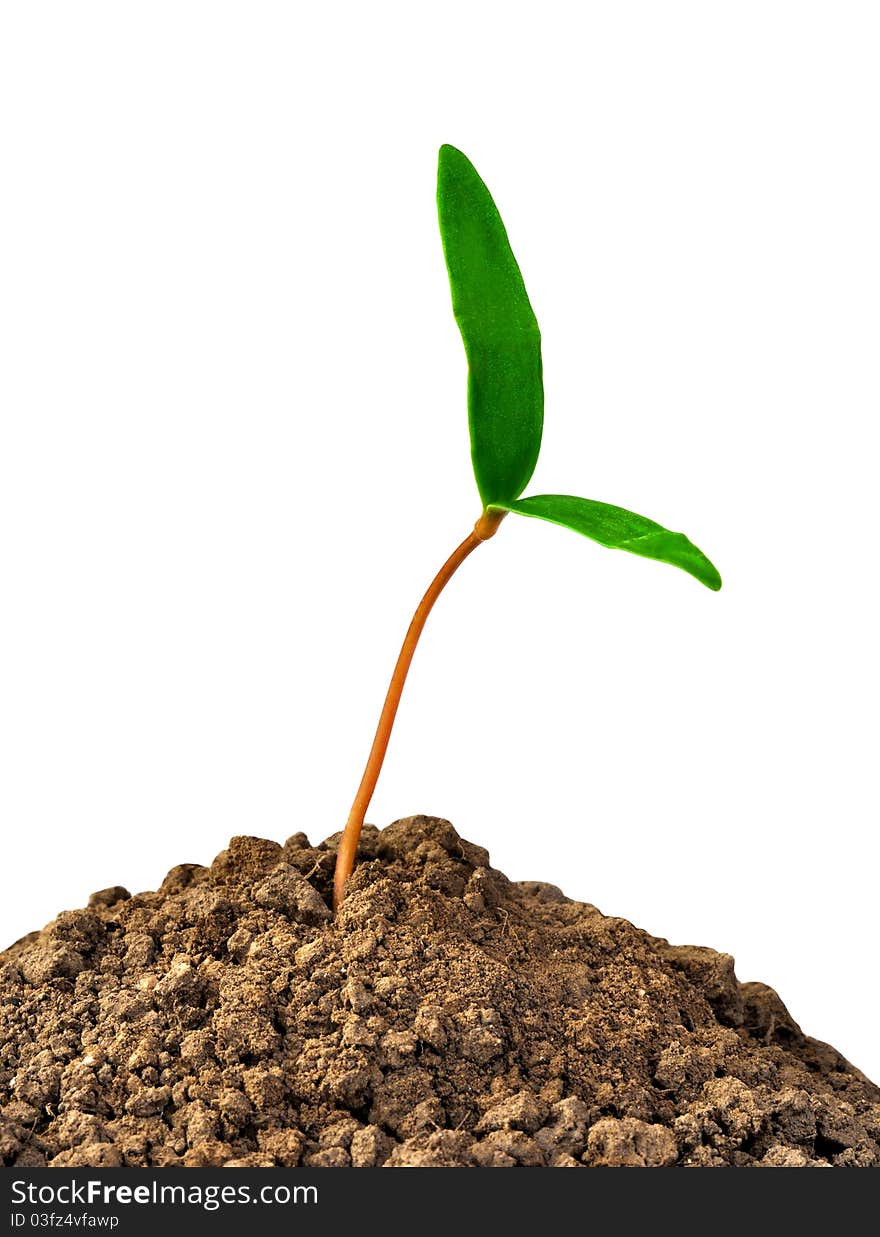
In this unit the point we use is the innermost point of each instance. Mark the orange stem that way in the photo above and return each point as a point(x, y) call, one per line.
point(485, 527)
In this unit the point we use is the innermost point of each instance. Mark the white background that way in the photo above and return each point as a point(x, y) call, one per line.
point(234, 451)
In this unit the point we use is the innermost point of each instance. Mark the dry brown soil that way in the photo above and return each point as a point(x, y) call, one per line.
point(447, 1017)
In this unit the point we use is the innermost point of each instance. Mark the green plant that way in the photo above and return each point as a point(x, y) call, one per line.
point(506, 415)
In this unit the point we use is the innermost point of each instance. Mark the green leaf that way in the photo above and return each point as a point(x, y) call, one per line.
point(620, 530)
point(499, 329)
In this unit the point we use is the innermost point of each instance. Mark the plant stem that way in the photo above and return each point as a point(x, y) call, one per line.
point(485, 527)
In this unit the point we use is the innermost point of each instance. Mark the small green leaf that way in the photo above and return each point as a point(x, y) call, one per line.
point(620, 530)
point(500, 333)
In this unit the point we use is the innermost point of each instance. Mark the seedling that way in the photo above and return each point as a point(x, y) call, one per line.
point(506, 417)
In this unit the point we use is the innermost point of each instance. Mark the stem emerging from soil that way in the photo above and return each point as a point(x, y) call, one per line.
point(485, 527)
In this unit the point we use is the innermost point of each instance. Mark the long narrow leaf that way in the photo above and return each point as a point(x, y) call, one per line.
point(500, 333)
point(620, 529)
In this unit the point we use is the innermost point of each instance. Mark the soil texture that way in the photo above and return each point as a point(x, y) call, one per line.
point(447, 1017)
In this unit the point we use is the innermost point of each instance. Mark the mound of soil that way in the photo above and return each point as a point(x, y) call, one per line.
point(446, 1017)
